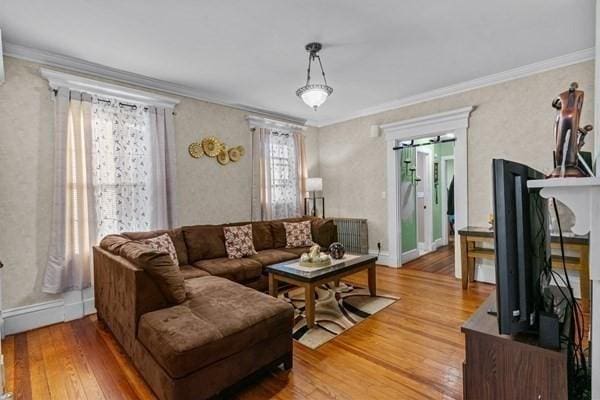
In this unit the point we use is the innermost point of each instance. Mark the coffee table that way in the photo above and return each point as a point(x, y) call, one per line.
point(309, 278)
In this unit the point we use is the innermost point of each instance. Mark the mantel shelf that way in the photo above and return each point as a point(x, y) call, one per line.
point(582, 196)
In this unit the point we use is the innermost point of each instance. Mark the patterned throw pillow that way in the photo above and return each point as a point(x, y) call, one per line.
point(163, 243)
point(297, 234)
point(238, 241)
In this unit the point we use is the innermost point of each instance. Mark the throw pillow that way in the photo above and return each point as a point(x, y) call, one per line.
point(162, 243)
point(238, 241)
point(297, 234)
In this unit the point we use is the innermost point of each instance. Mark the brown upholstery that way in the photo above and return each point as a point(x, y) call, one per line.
point(220, 318)
point(159, 265)
point(273, 256)
point(204, 242)
point(176, 236)
point(223, 331)
point(298, 251)
point(238, 270)
point(190, 272)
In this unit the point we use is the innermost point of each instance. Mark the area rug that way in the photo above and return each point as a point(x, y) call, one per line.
point(337, 309)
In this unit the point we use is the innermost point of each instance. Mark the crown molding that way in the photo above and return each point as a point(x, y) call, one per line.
point(489, 80)
point(435, 123)
point(58, 80)
point(73, 64)
point(261, 122)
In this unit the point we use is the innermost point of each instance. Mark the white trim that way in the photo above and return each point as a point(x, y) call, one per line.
point(453, 121)
point(102, 71)
point(58, 80)
point(383, 258)
point(444, 197)
point(74, 305)
point(262, 122)
point(488, 80)
point(437, 243)
point(410, 255)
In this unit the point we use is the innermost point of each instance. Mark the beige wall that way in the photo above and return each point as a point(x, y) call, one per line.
point(513, 120)
point(206, 191)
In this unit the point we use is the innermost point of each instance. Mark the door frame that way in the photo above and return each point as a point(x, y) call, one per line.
point(427, 199)
point(444, 196)
point(454, 122)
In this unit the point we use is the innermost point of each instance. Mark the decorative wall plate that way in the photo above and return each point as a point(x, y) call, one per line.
point(234, 154)
point(223, 157)
point(212, 146)
point(195, 150)
point(242, 150)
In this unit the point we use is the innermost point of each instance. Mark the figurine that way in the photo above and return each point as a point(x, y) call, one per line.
point(569, 137)
point(314, 258)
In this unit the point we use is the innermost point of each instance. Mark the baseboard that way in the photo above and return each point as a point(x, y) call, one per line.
point(74, 305)
point(409, 255)
point(383, 258)
point(437, 243)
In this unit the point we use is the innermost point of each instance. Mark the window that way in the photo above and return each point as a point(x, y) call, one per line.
point(284, 176)
point(121, 167)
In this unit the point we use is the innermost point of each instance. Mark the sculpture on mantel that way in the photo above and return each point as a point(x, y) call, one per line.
point(569, 136)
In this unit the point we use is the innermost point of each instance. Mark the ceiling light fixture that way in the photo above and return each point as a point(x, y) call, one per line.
point(314, 95)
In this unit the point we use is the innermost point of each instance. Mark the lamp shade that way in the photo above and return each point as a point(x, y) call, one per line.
point(314, 184)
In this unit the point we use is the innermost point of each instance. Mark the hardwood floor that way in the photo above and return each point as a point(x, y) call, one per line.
point(411, 350)
point(440, 261)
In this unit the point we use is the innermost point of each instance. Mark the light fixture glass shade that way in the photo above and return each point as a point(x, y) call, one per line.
point(314, 184)
point(314, 95)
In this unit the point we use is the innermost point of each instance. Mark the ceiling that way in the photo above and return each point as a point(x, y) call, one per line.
point(251, 53)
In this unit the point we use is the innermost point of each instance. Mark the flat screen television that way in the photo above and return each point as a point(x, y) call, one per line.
point(522, 245)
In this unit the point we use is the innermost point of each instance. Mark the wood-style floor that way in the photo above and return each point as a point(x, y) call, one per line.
point(411, 350)
point(440, 261)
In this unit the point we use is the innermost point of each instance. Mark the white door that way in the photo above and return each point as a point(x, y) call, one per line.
point(423, 186)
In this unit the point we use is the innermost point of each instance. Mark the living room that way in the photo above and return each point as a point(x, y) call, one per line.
point(242, 200)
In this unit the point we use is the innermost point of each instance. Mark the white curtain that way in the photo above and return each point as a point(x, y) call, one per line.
point(115, 172)
point(73, 221)
point(279, 173)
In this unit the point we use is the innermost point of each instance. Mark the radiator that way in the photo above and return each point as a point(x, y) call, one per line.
point(353, 234)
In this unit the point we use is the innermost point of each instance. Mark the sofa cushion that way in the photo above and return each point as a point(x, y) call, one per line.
point(238, 241)
point(298, 251)
point(190, 272)
point(219, 319)
point(159, 265)
point(176, 236)
point(273, 256)
point(204, 242)
point(238, 270)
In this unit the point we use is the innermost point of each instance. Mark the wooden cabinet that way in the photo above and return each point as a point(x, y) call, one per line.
point(503, 367)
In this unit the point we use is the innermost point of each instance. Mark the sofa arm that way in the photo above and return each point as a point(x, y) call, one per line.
point(123, 293)
point(324, 231)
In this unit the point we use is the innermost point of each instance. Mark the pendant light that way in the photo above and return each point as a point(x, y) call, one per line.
point(314, 95)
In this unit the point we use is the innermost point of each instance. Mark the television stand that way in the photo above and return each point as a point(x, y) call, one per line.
point(505, 367)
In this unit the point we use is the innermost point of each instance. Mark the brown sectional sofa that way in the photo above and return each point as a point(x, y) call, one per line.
point(225, 329)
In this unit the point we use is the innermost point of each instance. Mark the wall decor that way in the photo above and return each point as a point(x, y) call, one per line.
point(195, 150)
point(214, 148)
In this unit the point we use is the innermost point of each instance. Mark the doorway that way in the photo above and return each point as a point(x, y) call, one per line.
point(426, 209)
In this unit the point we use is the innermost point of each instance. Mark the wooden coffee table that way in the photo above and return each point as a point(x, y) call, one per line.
point(290, 272)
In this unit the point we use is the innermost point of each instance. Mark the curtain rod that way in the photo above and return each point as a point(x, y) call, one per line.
point(423, 144)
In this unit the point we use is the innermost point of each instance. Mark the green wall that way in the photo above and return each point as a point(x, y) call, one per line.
point(408, 196)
